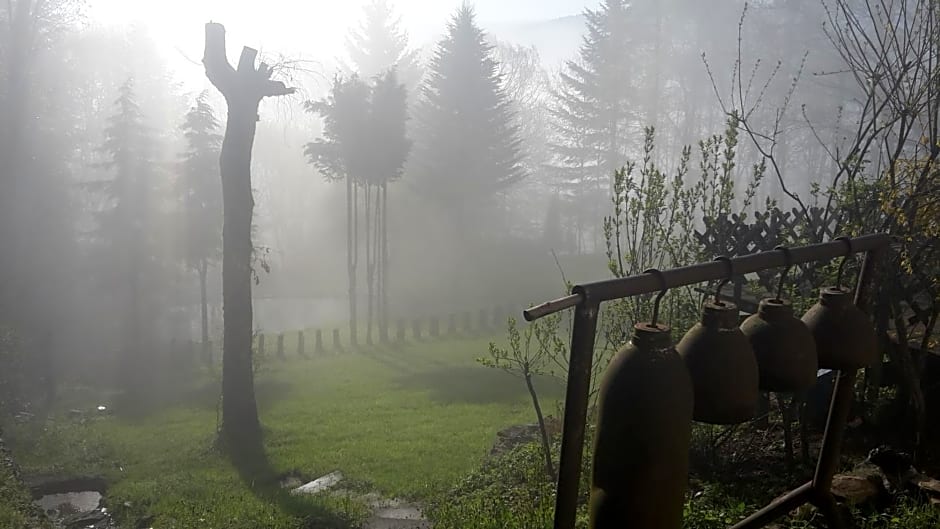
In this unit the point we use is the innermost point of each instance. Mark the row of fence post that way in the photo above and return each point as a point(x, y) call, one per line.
point(458, 325)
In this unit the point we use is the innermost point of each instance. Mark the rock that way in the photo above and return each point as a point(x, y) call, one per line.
point(97, 519)
point(893, 462)
point(509, 438)
point(320, 484)
point(44, 485)
point(856, 490)
point(929, 485)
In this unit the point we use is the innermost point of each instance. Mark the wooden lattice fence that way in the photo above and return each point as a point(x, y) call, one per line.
point(734, 234)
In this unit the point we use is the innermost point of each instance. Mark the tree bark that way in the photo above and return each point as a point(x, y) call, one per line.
point(909, 387)
point(204, 308)
point(370, 264)
point(352, 248)
point(546, 445)
point(239, 411)
point(243, 89)
point(384, 267)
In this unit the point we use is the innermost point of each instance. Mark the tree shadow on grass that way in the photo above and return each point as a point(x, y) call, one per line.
point(477, 385)
point(256, 472)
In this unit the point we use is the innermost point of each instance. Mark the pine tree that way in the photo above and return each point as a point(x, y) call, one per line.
point(200, 193)
point(467, 146)
point(593, 118)
point(125, 223)
point(380, 44)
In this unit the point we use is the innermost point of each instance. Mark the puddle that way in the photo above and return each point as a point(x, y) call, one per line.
point(61, 505)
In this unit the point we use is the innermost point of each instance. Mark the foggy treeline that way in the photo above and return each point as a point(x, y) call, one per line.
point(461, 164)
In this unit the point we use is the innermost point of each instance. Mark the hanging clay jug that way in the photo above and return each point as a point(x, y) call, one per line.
point(641, 449)
point(845, 337)
point(783, 346)
point(722, 366)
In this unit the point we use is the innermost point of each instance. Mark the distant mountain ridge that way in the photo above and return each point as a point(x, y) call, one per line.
point(557, 39)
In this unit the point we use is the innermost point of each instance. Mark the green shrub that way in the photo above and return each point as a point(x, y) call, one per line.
point(507, 492)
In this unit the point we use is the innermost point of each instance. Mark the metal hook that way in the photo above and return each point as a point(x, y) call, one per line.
point(730, 264)
point(659, 297)
point(851, 250)
point(788, 264)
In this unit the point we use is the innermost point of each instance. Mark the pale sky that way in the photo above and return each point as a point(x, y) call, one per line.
point(289, 25)
point(299, 28)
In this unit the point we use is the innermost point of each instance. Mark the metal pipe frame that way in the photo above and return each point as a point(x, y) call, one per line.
point(586, 299)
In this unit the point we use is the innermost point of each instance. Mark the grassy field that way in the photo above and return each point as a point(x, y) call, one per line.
point(405, 422)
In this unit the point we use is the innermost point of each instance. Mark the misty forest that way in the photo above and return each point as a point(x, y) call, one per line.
point(290, 265)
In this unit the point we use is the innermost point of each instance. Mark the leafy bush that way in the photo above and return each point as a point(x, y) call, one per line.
point(510, 491)
point(12, 371)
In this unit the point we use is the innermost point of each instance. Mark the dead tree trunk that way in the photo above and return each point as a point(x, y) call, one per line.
point(243, 88)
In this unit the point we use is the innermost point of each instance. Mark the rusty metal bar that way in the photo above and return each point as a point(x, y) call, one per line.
point(624, 287)
point(551, 307)
point(829, 453)
point(778, 507)
point(577, 394)
point(586, 299)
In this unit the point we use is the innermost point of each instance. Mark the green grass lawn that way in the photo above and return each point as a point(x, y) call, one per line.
point(405, 422)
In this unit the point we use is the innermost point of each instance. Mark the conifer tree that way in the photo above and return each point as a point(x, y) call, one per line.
point(593, 117)
point(200, 193)
point(125, 224)
point(467, 146)
point(379, 44)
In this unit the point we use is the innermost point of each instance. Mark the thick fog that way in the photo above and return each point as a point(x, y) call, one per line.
point(484, 190)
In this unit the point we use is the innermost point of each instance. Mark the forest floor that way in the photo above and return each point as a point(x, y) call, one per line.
point(404, 422)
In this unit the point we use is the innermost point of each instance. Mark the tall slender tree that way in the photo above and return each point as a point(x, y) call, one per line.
point(200, 194)
point(340, 155)
point(389, 117)
point(467, 146)
point(364, 143)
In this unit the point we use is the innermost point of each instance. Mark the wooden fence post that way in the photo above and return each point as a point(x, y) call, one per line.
point(483, 323)
point(400, 334)
point(337, 344)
